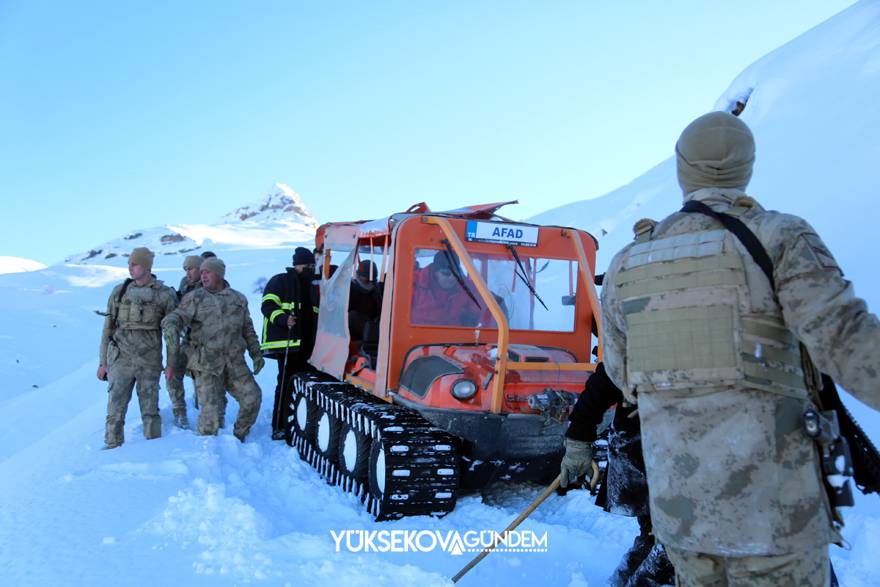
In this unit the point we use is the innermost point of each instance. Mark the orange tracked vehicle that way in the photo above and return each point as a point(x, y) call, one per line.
point(461, 368)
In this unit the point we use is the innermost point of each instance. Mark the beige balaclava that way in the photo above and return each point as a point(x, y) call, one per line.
point(715, 150)
point(214, 265)
point(142, 256)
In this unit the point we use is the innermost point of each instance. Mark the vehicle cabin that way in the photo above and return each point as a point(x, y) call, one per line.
point(460, 310)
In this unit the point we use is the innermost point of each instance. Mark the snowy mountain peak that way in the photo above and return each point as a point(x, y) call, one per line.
point(282, 204)
point(278, 220)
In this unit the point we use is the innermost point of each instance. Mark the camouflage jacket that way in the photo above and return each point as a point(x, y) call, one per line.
point(221, 329)
point(131, 326)
point(186, 286)
point(730, 470)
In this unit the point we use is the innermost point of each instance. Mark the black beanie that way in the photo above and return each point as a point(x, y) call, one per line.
point(367, 270)
point(303, 256)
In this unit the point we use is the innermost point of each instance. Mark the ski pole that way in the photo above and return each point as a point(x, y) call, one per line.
point(279, 396)
point(195, 394)
point(526, 513)
point(544, 495)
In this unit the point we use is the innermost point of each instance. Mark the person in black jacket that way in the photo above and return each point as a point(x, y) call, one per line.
point(364, 299)
point(290, 319)
point(624, 489)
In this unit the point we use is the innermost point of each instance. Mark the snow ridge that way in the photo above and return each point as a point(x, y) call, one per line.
point(278, 220)
point(19, 265)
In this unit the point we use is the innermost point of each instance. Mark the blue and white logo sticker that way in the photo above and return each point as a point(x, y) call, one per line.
point(503, 233)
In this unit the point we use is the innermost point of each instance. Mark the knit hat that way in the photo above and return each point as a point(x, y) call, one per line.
point(303, 256)
point(367, 269)
point(214, 265)
point(207, 254)
point(192, 262)
point(715, 150)
point(142, 256)
point(441, 261)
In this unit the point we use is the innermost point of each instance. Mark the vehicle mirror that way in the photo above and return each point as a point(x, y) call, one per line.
point(568, 300)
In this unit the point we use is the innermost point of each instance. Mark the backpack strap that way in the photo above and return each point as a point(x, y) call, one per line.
point(740, 231)
point(125, 285)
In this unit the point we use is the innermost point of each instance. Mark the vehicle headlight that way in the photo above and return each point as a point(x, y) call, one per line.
point(464, 389)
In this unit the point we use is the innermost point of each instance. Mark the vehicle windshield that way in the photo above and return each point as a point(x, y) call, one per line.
point(441, 298)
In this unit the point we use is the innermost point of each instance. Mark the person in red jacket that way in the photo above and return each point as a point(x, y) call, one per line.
point(443, 296)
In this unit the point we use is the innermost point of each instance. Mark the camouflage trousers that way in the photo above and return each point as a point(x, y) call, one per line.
point(798, 569)
point(175, 386)
point(211, 390)
point(123, 377)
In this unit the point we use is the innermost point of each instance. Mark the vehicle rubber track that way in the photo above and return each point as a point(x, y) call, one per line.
point(389, 456)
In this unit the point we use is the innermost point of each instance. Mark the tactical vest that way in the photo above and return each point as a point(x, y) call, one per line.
point(690, 321)
point(139, 309)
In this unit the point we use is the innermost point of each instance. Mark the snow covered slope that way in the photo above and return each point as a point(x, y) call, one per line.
point(194, 510)
point(812, 108)
point(18, 265)
point(197, 510)
point(811, 105)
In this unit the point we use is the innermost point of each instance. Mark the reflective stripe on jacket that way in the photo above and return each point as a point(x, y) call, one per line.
point(284, 295)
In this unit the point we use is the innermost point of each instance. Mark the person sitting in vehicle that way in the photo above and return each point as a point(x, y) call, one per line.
point(442, 295)
point(364, 299)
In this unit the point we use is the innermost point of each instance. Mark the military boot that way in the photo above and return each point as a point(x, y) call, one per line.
point(655, 570)
point(152, 427)
point(180, 419)
point(634, 557)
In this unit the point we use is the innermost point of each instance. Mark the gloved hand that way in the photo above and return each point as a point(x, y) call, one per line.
point(575, 461)
point(259, 363)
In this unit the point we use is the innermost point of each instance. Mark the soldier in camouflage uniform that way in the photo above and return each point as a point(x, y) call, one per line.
point(695, 332)
point(193, 278)
point(131, 347)
point(221, 331)
point(188, 283)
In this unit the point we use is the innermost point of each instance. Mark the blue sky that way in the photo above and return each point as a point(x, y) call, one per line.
point(122, 114)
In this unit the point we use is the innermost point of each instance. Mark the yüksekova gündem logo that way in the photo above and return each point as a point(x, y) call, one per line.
point(450, 541)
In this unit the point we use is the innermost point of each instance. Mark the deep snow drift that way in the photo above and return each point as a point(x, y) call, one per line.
point(193, 510)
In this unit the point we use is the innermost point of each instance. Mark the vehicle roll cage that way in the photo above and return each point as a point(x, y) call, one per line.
point(378, 233)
